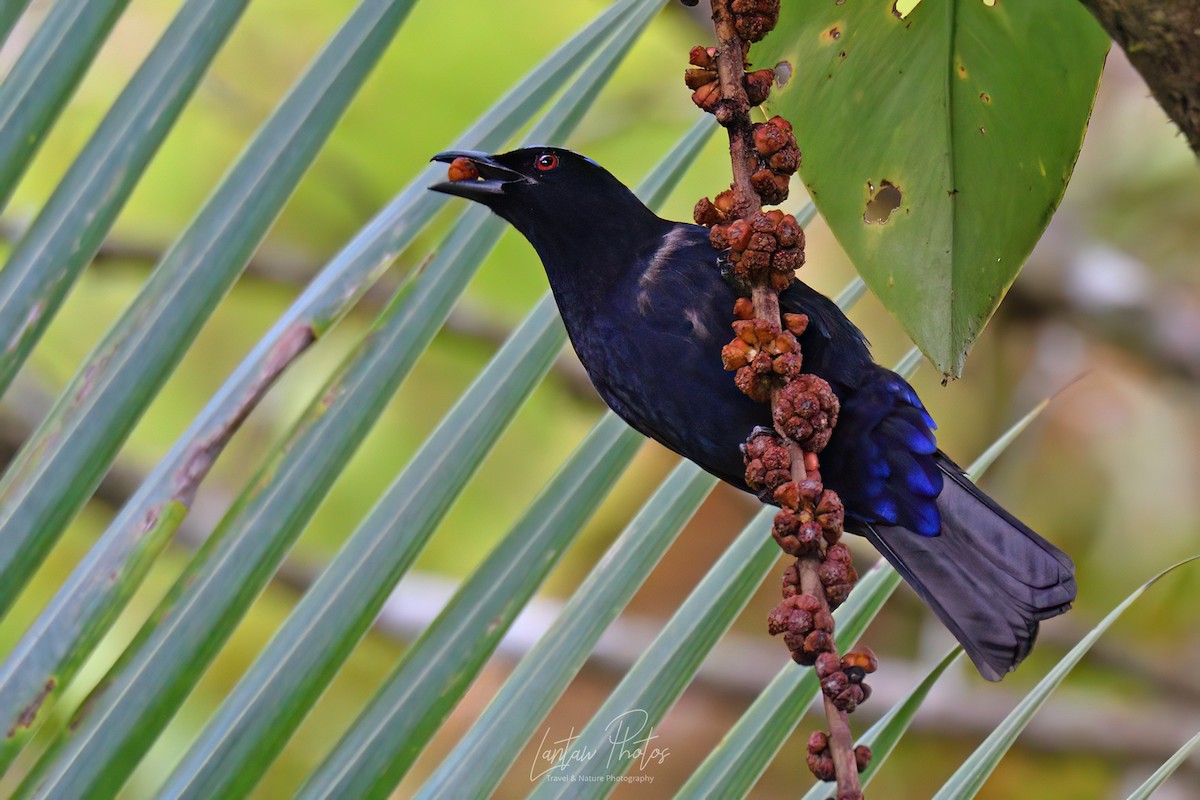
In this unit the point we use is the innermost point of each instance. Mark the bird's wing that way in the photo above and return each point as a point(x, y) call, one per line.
point(678, 292)
point(833, 346)
point(882, 457)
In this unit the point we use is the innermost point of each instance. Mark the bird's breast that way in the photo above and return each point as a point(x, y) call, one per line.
point(667, 381)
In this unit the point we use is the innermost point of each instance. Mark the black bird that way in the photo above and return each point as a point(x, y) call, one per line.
point(648, 310)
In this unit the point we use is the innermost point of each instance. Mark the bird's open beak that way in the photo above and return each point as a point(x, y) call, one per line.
point(492, 180)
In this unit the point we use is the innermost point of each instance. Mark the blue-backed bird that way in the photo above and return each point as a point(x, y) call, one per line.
point(647, 310)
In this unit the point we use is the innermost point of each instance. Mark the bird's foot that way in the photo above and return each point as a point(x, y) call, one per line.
point(740, 285)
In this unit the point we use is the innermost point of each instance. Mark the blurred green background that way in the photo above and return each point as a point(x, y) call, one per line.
point(1109, 304)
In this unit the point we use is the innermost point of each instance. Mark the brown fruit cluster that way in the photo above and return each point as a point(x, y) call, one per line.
point(778, 158)
point(758, 86)
point(758, 352)
point(701, 78)
point(754, 19)
point(794, 536)
point(806, 409)
point(768, 463)
point(820, 759)
point(800, 526)
point(859, 663)
point(808, 524)
point(705, 84)
point(761, 252)
point(838, 575)
point(743, 308)
point(807, 628)
point(767, 245)
point(842, 680)
point(717, 211)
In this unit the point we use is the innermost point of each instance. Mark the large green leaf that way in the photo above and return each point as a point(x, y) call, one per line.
point(63, 636)
point(68, 231)
point(387, 737)
point(937, 145)
point(39, 85)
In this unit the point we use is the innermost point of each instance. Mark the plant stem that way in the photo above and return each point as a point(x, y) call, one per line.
point(733, 112)
point(841, 741)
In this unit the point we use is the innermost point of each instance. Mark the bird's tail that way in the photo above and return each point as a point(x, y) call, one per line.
point(989, 578)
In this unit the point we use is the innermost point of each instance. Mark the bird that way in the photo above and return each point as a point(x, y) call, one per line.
point(647, 308)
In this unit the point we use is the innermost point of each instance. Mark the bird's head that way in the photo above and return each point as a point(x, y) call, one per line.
point(557, 198)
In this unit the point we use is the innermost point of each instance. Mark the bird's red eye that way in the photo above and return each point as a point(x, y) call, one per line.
point(546, 162)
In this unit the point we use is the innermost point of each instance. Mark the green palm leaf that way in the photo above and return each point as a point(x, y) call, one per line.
point(384, 741)
point(44, 78)
point(61, 464)
point(477, 764)
point(164, 662)
point(62, 637)
point(666, 668)
point(10, 12)
point(1147, 789)
point(58, 467)
point(56, 471)
point(255, 721)
point(70, 228)
point(966, 782)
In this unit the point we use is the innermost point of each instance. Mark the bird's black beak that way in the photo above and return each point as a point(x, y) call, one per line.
point(492, 180)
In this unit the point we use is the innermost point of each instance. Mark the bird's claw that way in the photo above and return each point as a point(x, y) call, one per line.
point(759, 430)
point(742, 287)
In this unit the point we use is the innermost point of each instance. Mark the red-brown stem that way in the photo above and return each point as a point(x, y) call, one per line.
point(766, 306)
point(841, 741)
point(733, 111)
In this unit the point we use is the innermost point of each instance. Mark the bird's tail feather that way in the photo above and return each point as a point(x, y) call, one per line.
point(989, 578)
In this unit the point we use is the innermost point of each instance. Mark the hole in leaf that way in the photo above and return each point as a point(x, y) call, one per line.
point(831, 35)
point(990, 3)
point(902, 8)
point(882, 203)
